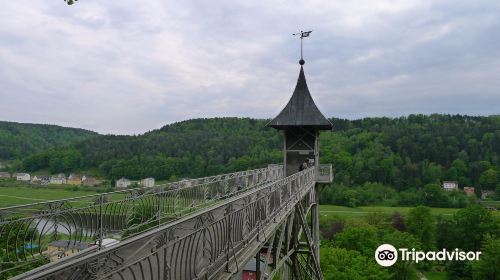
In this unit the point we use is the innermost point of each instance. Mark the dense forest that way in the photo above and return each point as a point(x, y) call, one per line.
point(402, 161)
point(348, 244)
point(405, 154)
point(19, 140)
point(193, 148)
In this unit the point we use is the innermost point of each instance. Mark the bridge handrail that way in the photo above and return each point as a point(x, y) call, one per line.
point(164, 185)
point(195, 246)
point(91, 219)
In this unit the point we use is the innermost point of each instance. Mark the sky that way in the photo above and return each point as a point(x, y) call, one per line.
point(130, 66)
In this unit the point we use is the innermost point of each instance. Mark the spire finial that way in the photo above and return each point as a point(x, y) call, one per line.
point(302, 34)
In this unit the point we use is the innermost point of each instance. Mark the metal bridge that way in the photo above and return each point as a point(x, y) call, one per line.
point(207, 228)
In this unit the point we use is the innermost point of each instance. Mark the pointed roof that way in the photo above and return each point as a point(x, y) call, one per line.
point(301, 109)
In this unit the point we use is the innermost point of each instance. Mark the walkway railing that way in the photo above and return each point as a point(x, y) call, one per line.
point(36, 233)
point(197, 246)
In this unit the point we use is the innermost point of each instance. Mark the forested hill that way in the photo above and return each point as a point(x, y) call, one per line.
point(401, 152)
point(191, 148)
point(18, 140)
point(414, 150)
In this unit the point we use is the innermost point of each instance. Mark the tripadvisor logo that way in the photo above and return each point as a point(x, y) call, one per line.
point(387, 255)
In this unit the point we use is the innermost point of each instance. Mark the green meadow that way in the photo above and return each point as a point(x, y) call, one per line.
point(11, 196)
point(359, 212)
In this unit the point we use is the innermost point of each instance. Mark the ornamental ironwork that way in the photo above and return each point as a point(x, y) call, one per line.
point(266, 222)
point(41, 232)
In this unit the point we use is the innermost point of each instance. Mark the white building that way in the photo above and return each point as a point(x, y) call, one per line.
point(23, 177)
point(123, 183)
point(450, 185)
point(148, 182)
point(58, 180)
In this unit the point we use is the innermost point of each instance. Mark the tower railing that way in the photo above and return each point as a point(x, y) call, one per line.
point(34, 234)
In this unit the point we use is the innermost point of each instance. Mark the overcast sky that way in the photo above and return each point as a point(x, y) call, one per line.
point(129, 66)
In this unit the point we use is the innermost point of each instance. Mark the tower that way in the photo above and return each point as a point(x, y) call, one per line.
point(301, 121)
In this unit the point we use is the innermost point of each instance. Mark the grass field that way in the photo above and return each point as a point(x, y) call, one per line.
point(346, 212)
point(491, 203)
point(10, 196)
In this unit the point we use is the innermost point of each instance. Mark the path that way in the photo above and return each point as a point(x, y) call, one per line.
point(20, 197)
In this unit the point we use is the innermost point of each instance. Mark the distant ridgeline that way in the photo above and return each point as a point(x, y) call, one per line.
point(19, 140)
point(400, 152)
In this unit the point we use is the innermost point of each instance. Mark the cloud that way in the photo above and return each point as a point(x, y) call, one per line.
point(131, 66)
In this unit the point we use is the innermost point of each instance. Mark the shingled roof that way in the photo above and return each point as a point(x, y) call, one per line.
point(301, 109)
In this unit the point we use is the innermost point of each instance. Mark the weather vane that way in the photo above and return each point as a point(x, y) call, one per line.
point(302, 34)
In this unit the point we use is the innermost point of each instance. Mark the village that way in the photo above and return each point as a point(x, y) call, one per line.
point(124, 183)
point(75, 180)
point(469, 191)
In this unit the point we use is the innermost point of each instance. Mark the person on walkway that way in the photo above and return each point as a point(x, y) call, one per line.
point(304, 165)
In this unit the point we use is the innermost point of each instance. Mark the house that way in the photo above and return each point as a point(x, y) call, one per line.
point(148, 182)
point(64, 248)
point(470, 191)
point(58, 180)
point(74, 179)
point(23, 177)
point(183, 183)
point(91, 182)
point(36, 179)
point(5, 175)
point(123, 183)
point(486, 193)
point(40, 179)
point(450, 185)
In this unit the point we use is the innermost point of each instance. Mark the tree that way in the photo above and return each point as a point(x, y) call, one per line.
point(431, 172)
point(460, 167)
point(421, 224)
point(333, 229)
point(472, 224)
point(434, 196)
point(410, 197)
point(446, 233)
point(340, 263)
point(362, 239)
point(461, 270)
point(488, 266)
point(398, 222)
point(329, 226)
point(488, 179)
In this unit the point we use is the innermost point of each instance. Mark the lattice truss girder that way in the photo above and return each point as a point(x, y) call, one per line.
point(290, 251)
